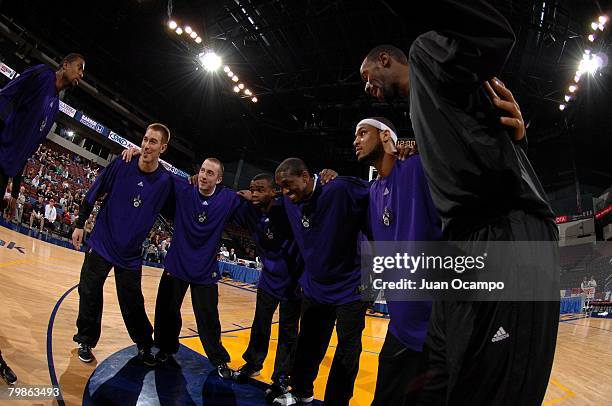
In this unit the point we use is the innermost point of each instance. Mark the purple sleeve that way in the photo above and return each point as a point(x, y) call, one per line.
point(426, 225)
point(22, 91)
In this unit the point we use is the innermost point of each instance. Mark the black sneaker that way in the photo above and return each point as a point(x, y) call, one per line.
point(279, 387)
point(85, 353)
point(146, 356)
point(224, 371)
point(162, 357)
point(245, 372)
point(7, 373)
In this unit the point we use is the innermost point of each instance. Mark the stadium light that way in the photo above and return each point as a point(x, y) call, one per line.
point(198, 40)
point(210, 60)
point(172, 24)
point(236, 89)
point(188, 30)
point(241, 86)
point(226, 69)
point(193, 34)
point(235, 78)
point(254, 99)
point(562, 107)
point(247, 92)
point(594, 26)
point(572, 88)
point(591, 37)
point(602, 19)
point(179, 30)
point(567, 98)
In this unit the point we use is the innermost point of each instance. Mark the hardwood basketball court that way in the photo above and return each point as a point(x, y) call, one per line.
point(39, 308)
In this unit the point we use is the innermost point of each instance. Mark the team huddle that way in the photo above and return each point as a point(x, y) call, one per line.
point(469, 180)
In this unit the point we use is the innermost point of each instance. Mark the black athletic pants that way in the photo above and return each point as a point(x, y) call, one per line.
point(168, 321)
point(91, 286)
point(493, 353)
point(400, 374)
point(289, 318)
point(316, 327)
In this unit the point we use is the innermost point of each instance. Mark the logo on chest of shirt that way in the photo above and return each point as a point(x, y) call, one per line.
point(202, 217)
point(43, 124)
point(387, 217)
point(140, 183)
point(386, 192)
point(137, 201)
point(269, 232)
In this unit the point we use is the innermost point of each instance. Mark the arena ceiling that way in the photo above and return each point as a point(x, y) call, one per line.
point(302, 63)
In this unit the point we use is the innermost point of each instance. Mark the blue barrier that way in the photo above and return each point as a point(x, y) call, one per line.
point(571, 304)
point(239, 273)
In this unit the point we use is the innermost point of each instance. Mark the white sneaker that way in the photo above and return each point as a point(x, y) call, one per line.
point(288, 399)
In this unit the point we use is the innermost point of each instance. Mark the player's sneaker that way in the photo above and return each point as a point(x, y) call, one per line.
point(146, 357)
point(7, 373)
point(162, 357)
point(245, 372)
point(85, 353)
point(289, 399)
point(279, 387)
point(224, 371)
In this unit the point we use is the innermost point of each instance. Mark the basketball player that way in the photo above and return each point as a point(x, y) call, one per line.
point(400, 209)
point(267, 221)
point(135, 193)
point(326, 222)
point(28, 106)
point(485, 190)
point(191, 262)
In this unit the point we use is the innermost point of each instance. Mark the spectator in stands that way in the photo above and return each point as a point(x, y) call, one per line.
point(89, 224)
point(66, 222)
point(7, 195)
point(21, 200)
point(48, 192)
point(584, 285)
point(224, 253)
point(593, 285)
point(151, 253)
point(64, 201)
point(38, 210)
point(163, 248)
point(36, 181)
point(50, 215)
point(145, 247)
point(232, 255)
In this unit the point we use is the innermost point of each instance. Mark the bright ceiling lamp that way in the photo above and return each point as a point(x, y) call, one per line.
point(210, 60)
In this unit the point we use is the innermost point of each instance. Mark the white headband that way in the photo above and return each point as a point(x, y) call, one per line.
point(380, 125)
